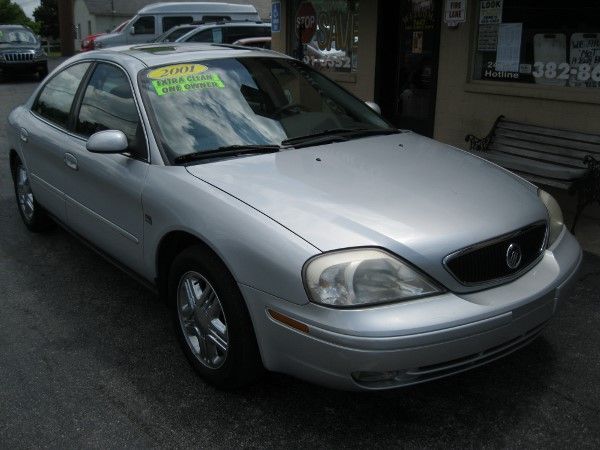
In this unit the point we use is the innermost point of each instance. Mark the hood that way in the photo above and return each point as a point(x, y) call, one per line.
point(9, 46)
point(412, 195)
point(107, 37)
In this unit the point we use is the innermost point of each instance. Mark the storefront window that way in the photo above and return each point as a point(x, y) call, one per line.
point(326, 34)
point(550, 43)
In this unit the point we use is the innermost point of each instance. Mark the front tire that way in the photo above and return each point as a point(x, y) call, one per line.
point(211, 319)
point(43, 73)
point(33, 215)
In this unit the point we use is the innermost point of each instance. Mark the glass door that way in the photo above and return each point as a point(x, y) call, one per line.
point(413, 83)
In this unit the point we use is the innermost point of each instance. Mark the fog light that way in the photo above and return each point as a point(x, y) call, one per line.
point(375, 377)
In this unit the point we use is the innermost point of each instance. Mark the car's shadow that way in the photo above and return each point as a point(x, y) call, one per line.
point(25, 78)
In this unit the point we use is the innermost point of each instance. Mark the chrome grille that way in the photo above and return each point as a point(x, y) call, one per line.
point(487, 262)
point(18, 56)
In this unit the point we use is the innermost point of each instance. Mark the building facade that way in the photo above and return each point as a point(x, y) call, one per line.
point(527, 61)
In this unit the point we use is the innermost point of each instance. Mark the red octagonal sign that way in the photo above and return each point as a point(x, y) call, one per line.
point(306, 22)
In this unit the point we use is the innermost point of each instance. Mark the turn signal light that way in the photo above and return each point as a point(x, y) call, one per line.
point(288, 321)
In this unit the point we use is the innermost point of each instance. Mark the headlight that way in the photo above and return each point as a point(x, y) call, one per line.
point(39, 53)
point(362, 277)
point(555, 216)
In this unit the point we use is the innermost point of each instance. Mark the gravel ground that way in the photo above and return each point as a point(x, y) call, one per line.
point(88, 359)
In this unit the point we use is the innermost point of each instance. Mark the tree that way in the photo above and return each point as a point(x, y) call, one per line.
point(47, 16)
point(11, 13)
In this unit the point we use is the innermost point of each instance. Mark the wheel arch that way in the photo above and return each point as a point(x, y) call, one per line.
point(171, 245)
point(13, 158)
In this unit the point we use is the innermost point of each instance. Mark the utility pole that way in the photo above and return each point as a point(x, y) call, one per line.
point(66, 27)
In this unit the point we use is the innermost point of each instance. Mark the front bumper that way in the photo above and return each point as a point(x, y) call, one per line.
point(414, 341)
point(24, 66)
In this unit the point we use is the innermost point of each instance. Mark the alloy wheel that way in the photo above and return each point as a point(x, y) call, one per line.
point(202, 320)
point(24, 193)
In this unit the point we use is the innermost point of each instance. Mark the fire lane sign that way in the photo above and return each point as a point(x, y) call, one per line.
point(455, 12)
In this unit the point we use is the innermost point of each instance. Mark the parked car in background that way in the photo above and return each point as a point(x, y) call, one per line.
point(175, 33)
point(21, 52)
point(88, 43)
point(227, 32)
point(288, 225)
point(153, 20)
point(257, 42)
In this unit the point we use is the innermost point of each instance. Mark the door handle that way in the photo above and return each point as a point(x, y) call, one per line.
point(70, 161)
point(24, 135)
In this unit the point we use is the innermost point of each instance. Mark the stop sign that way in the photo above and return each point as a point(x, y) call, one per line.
point(306, 22)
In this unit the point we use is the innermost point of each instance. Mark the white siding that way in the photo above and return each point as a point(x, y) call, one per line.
point(108, 23)
point(81, 16)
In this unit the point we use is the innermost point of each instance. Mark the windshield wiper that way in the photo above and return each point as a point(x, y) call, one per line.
point(337, 135)
point(227, 151)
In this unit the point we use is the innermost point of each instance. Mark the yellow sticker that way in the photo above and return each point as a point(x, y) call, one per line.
point(176, 71)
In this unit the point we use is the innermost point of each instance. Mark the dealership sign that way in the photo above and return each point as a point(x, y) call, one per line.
point(306, 22)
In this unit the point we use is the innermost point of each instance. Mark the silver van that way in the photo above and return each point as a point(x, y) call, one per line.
point(153, 20)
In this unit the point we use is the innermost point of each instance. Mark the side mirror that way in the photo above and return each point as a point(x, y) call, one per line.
point(374, 106)
point(132, 29)
point(107, 141)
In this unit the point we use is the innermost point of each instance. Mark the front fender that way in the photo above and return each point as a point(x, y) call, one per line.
point(258, 251)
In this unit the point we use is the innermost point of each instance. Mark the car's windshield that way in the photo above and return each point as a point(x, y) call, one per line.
point(120, 27)
point(248, 101)
point(17, 36)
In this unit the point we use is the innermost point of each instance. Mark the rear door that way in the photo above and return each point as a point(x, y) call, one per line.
point(104, 191)
point(45, 136)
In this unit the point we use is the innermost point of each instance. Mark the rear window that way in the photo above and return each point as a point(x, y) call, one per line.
point(216, 18)
point(210, 35)
point(173, 21)
point(233, 34)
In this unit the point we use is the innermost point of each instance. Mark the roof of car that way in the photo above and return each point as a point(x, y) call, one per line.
point(154, 54)
point(208, 26)
point(236, 23)
point(202, 7)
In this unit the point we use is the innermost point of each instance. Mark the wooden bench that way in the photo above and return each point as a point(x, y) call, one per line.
point(562, 159)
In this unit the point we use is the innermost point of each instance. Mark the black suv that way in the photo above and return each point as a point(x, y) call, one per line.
point(21, 51)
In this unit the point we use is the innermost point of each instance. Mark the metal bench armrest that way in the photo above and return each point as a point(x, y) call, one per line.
point(481, 144)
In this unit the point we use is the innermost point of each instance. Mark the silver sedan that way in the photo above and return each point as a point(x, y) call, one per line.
point(288, 225)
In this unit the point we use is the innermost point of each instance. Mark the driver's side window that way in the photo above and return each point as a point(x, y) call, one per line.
point(144, 25)
point(108, 104)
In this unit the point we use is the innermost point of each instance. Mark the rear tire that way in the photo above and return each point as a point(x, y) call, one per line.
point(33, 215)
point(211, 319)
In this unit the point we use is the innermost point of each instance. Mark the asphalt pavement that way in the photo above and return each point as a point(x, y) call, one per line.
point(88, 358)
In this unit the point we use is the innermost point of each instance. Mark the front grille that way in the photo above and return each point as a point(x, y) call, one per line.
point(487, 262)
point(18, 57)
